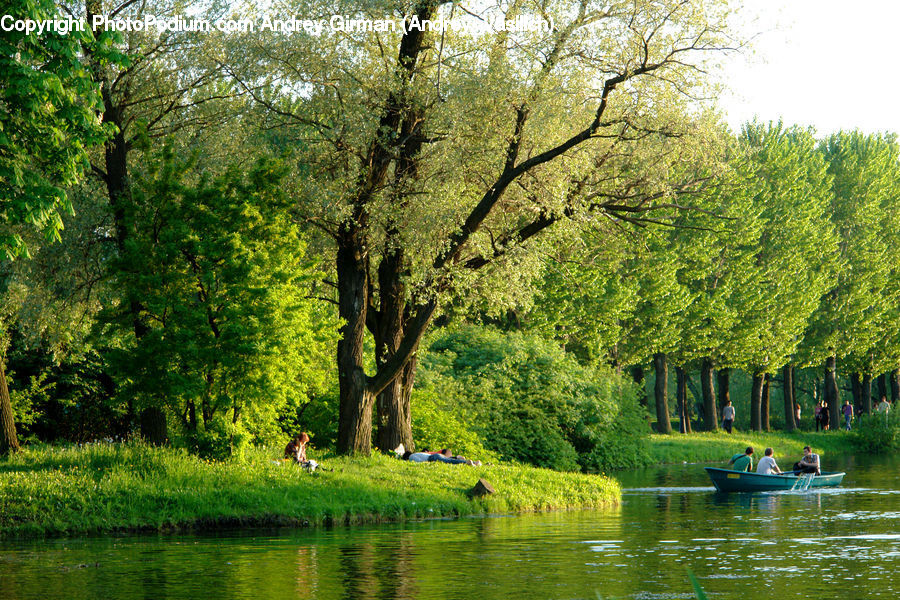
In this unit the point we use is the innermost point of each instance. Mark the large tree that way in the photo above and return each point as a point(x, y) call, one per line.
point(47, 120)
point(441, 156)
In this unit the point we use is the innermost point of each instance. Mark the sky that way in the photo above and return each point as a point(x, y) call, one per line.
point(829, 64)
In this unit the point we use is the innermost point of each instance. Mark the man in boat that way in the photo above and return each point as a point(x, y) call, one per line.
point(742, 462)
point(767, 465)
point(809, 463)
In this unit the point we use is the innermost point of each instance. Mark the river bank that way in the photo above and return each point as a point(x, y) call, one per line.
point(106, 488)
point(720, 446)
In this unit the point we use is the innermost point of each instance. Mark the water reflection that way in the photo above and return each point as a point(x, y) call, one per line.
point(825, 544)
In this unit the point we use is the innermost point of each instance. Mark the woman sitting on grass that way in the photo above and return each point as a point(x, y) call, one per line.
point(296, 451)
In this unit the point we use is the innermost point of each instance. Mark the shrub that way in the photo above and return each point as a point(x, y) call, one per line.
point(530, 401)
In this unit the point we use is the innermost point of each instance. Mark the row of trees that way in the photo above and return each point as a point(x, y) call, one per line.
point(789, 261)
point(255, 205)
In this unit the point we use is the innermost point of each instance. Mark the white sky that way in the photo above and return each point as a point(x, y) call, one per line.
point(830, 64)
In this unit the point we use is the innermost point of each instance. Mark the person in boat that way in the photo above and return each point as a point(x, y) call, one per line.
point(742, 462)
point(809, 463)
point(767, 465)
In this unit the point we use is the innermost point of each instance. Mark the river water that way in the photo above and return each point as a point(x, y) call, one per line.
point(838, 543)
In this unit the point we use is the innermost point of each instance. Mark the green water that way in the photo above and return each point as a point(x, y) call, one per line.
point(841, 543)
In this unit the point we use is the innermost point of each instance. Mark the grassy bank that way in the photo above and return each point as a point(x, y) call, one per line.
point(720, 446)
point(113, 487)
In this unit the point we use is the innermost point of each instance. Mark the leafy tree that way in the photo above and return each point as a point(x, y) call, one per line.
point(446, 160)
point(221, 271)
point(47, 121)
point(853, 311)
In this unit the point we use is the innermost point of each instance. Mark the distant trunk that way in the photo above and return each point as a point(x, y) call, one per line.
point(756, 402)
point(724, 376)
point(882, 387)
point(661, 391)
point(895, 385)
point(710, 416)
point(856, 390)
point(765, 402)
point(866, 406)
point(684, 412)
point(832, 393)
point(637, 375)
point(9, 441)
point(790, 421)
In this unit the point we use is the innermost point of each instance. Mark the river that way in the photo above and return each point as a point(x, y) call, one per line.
point(821, 544)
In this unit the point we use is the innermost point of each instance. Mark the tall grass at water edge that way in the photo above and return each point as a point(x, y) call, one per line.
point(133, 487)
point(720, 446)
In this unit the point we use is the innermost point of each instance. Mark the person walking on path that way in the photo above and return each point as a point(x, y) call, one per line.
point(728, 416)
point(847, 410)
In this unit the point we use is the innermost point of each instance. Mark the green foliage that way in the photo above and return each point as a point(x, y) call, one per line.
point(130, 487)
point(531, 402)
point(877, 434)
point(437, 425)
point(227, 339)
point(47, 122)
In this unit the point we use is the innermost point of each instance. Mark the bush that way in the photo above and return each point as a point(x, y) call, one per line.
point(530, 401)
point(877, 433)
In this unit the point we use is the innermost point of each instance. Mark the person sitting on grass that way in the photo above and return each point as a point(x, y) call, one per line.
point(742, 462)
point(766, 465)
point(809, 463)
point(296, 451)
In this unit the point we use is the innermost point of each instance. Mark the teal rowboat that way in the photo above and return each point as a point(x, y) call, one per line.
point(727, 480)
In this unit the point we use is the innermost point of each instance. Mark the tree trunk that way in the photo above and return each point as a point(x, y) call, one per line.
point(684, 413)
point(394, 414)
point(895, 385)
point(9, 441)
point(882, 387)
point(724, 377)
point(154, 428)
point(865, 407)
point(765, 404)
point(790, 421)
point(710, 417)
point(662, 392)
point(756, 402)
point(355, 406)
point(832, 393)
point(637, 375)
point(856, 390)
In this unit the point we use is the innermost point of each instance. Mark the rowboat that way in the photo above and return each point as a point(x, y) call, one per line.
point(727, 480)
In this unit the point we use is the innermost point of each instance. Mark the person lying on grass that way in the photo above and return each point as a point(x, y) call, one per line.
point(444, 456)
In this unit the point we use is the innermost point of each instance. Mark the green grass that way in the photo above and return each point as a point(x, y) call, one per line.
point(720, 446)
point(131, 487)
